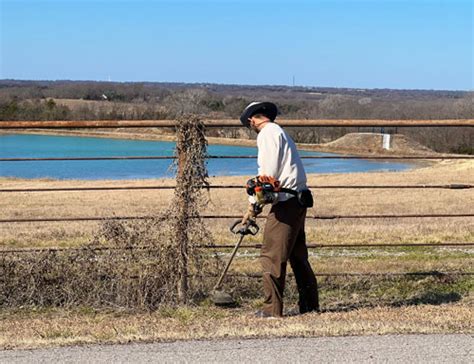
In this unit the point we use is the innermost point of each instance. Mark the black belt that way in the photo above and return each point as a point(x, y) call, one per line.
point(288, 190)
point(305, 197)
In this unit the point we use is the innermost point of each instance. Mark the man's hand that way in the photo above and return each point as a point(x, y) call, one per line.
point(251, 214)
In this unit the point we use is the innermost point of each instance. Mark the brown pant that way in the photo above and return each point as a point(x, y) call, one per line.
point(284, 239)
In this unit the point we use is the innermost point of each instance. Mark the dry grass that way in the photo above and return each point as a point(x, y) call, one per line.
point(372, 143)
point(118, 278)
point(19, 329)
point(328, 202)
point(376, 301)
point(378, 261)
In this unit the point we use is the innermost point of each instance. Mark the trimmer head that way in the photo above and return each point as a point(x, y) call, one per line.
point(222, 298)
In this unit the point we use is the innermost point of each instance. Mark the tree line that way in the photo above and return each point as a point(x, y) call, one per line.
point(45, 100)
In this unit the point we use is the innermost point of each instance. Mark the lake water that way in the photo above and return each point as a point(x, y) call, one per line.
point(45, 146)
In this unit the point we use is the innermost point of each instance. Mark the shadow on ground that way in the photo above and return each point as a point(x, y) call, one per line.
point(428, 298)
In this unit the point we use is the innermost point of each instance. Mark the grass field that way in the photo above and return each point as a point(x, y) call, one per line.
point(352, 305)
point(45, 328)
point(233, 202)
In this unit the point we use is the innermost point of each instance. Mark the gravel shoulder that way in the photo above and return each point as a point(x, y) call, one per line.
point(456, 348)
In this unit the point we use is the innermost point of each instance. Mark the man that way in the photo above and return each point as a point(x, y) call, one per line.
point(284, 236)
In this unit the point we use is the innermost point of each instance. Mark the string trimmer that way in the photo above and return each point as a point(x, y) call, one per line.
point(218, 296)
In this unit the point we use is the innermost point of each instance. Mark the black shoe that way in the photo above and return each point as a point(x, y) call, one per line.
point(301, 311)
point(293, 312)
point(263, 314)
point(310, 310)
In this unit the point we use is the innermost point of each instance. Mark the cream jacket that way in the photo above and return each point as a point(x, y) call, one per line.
point(279, 158)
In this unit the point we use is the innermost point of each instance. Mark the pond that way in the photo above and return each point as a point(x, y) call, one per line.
point(46, 146)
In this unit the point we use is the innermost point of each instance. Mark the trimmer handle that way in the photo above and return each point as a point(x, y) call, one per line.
point(250, 228)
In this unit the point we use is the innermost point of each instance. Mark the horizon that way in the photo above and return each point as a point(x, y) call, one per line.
point(351, 44)
point(239, 85)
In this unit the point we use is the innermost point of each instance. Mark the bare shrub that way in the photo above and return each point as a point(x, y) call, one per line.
point(132, 264)
point(130, 278)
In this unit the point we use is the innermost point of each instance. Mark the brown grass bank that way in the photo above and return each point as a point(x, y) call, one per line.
point(233, 201)
point(353, 305)
point(19, 329)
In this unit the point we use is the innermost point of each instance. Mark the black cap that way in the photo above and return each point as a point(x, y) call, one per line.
point(268, 109)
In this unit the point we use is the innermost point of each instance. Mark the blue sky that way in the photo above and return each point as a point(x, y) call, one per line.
point(413, 44)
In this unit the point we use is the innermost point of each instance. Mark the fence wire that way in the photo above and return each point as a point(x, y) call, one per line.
point(315, 217)
point(162, 157)
point(245, 246)
point(456, 186)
